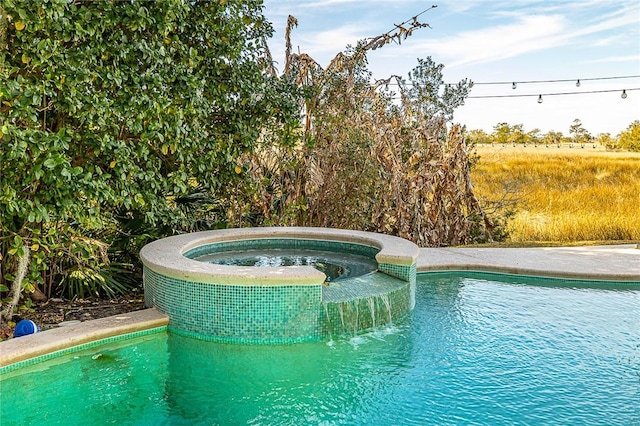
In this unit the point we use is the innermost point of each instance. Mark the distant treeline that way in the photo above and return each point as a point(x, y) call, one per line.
point(504, 133)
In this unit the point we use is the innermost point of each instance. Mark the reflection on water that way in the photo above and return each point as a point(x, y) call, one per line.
point(472, 352)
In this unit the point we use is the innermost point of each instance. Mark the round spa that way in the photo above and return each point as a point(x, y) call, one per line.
point(279, 285)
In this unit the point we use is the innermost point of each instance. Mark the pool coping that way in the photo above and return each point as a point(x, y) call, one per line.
point(619, 262)
point(599, 263)
point(166, 256)
point(57, 339)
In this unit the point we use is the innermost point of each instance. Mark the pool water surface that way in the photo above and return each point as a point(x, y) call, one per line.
point(335, 265)
point(473, 351)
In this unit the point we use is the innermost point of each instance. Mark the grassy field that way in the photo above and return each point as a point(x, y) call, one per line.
point(562, 194)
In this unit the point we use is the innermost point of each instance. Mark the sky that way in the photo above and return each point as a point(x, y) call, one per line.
point(490, 41)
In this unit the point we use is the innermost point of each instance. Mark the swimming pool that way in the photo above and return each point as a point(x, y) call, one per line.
point(477, 349)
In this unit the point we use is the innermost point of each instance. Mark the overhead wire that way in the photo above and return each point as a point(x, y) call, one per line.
point(553, 94)
point(540, 95)
point(563, 80)
point(413, 18)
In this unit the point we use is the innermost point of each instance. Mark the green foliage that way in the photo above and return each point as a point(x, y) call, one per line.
point(95, 280)
point(122, 106)
point(579, 134)
point(553, 138)
point(475, 137)
point(605, 139)
point(534, 136)
point(504, 133)
point(431, 95)
point(630, 138)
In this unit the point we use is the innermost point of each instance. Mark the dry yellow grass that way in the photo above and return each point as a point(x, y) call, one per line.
point(563, 195)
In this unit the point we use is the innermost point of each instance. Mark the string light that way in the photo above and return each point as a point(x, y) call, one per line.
point(624, 94)
point(514, 84)
point(578, 81)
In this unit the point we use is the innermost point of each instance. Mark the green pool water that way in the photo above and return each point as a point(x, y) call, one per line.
point(474, 351)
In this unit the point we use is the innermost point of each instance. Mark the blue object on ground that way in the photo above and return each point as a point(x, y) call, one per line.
point(25, 327)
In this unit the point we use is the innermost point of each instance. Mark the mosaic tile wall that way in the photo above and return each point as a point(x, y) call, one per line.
point(405, 273)
point(242, 314)
point(283, 314)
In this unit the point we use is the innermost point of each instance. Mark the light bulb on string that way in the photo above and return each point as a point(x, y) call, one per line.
point(578, 83)
point(539, 99)
point(513, 85)
point(624, 94)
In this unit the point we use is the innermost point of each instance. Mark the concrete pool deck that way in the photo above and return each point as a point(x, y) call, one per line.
point(601, 263)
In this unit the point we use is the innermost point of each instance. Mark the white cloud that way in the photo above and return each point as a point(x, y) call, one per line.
point(326, 3)
point(463, 5)
point(332, 41)
point(317, 4)
point(609, 41)
point(628, 58)
point(322, 46)
point(619, 20)
point(529, 33)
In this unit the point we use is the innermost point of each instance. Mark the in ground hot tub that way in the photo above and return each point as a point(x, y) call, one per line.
point(279, 285)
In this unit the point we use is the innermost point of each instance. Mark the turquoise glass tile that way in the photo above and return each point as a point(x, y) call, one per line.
point(282, 314)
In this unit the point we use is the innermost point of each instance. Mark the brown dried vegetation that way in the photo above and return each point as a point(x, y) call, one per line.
point(369, 158)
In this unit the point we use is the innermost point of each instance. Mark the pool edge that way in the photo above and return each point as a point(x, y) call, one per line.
point(23, 348)
point(531, 273)
point(595, 263)
point(588, 263)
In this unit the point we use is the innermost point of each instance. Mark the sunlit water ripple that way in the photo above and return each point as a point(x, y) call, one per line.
point(472, 352)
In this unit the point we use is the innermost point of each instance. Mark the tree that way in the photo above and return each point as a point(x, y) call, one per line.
point(579, 134)
point(120, 108)
point(630, 138)
point(534, 136)
point(477, 137)
point(506, 134)
point(605, 140)
point(426, 83)
point(552, 138)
